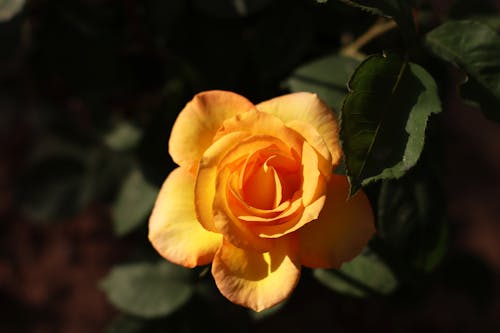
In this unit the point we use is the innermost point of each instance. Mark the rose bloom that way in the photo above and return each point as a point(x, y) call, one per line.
point(255, 195)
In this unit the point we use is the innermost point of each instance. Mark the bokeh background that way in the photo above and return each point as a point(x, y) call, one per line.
point(89, 90)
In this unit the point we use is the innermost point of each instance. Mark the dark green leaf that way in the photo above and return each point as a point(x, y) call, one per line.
point(399, 10)
point(148, 290)
point(475, 48)
point(9, 8)
point(474, 93)
point(365, 275)
point(383, 118)
point(133, 204)
point(411, 221)
point(326, 77)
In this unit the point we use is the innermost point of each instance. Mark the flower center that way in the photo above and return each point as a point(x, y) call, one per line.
point(267, 180)
point(263, 187)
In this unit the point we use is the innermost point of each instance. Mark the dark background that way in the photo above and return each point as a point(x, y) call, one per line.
point(71, 70)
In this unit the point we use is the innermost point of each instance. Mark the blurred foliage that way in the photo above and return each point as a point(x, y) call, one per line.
point(365, 275)
point(325, 76)
point(148, 290)
point(58, 181)
point(123, 136)
point(133, 203)
point(97, 85)
point(9, 8)
point(411, 220)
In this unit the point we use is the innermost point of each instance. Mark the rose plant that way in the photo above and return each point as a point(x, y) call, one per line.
point(255, 195)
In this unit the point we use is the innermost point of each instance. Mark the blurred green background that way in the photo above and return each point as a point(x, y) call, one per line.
point(89, 90)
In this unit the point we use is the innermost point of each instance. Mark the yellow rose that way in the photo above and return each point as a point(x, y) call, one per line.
point(255, 195)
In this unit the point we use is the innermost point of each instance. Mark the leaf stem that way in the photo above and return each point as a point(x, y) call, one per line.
point(380, 27)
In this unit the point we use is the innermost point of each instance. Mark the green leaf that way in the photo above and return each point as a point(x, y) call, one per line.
point(475, 48)
point(399, 10)
point(491, 20)
point(9, 8)
point(411, 221)
point(363, 276)
point(383, 118)
point(123, 136)
point(326, 77)
point(148, 290)
point(133, 204)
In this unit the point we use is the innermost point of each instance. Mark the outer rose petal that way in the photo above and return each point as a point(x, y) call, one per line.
point(174, 230)
point(262, 123)
point(342, 230)
point(310, 109)
point(310, 134)
point(198, 122)
point(253, 279)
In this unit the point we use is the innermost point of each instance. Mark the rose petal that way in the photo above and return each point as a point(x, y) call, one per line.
point(291, 207)
point(263, 188)
point(229, 149)
point(306, 209)
point(296, 221)
point(286, 174)
point(236, 231)
point(342, 230)
point(248, 213)
point(315, 140)
point(309, 109)
point(311, 178)
point(196, 125)
point(254, 279)
point(252, 232)
point(262, 123)
point(174, 229)
point(302, 210)
point(206, 178)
